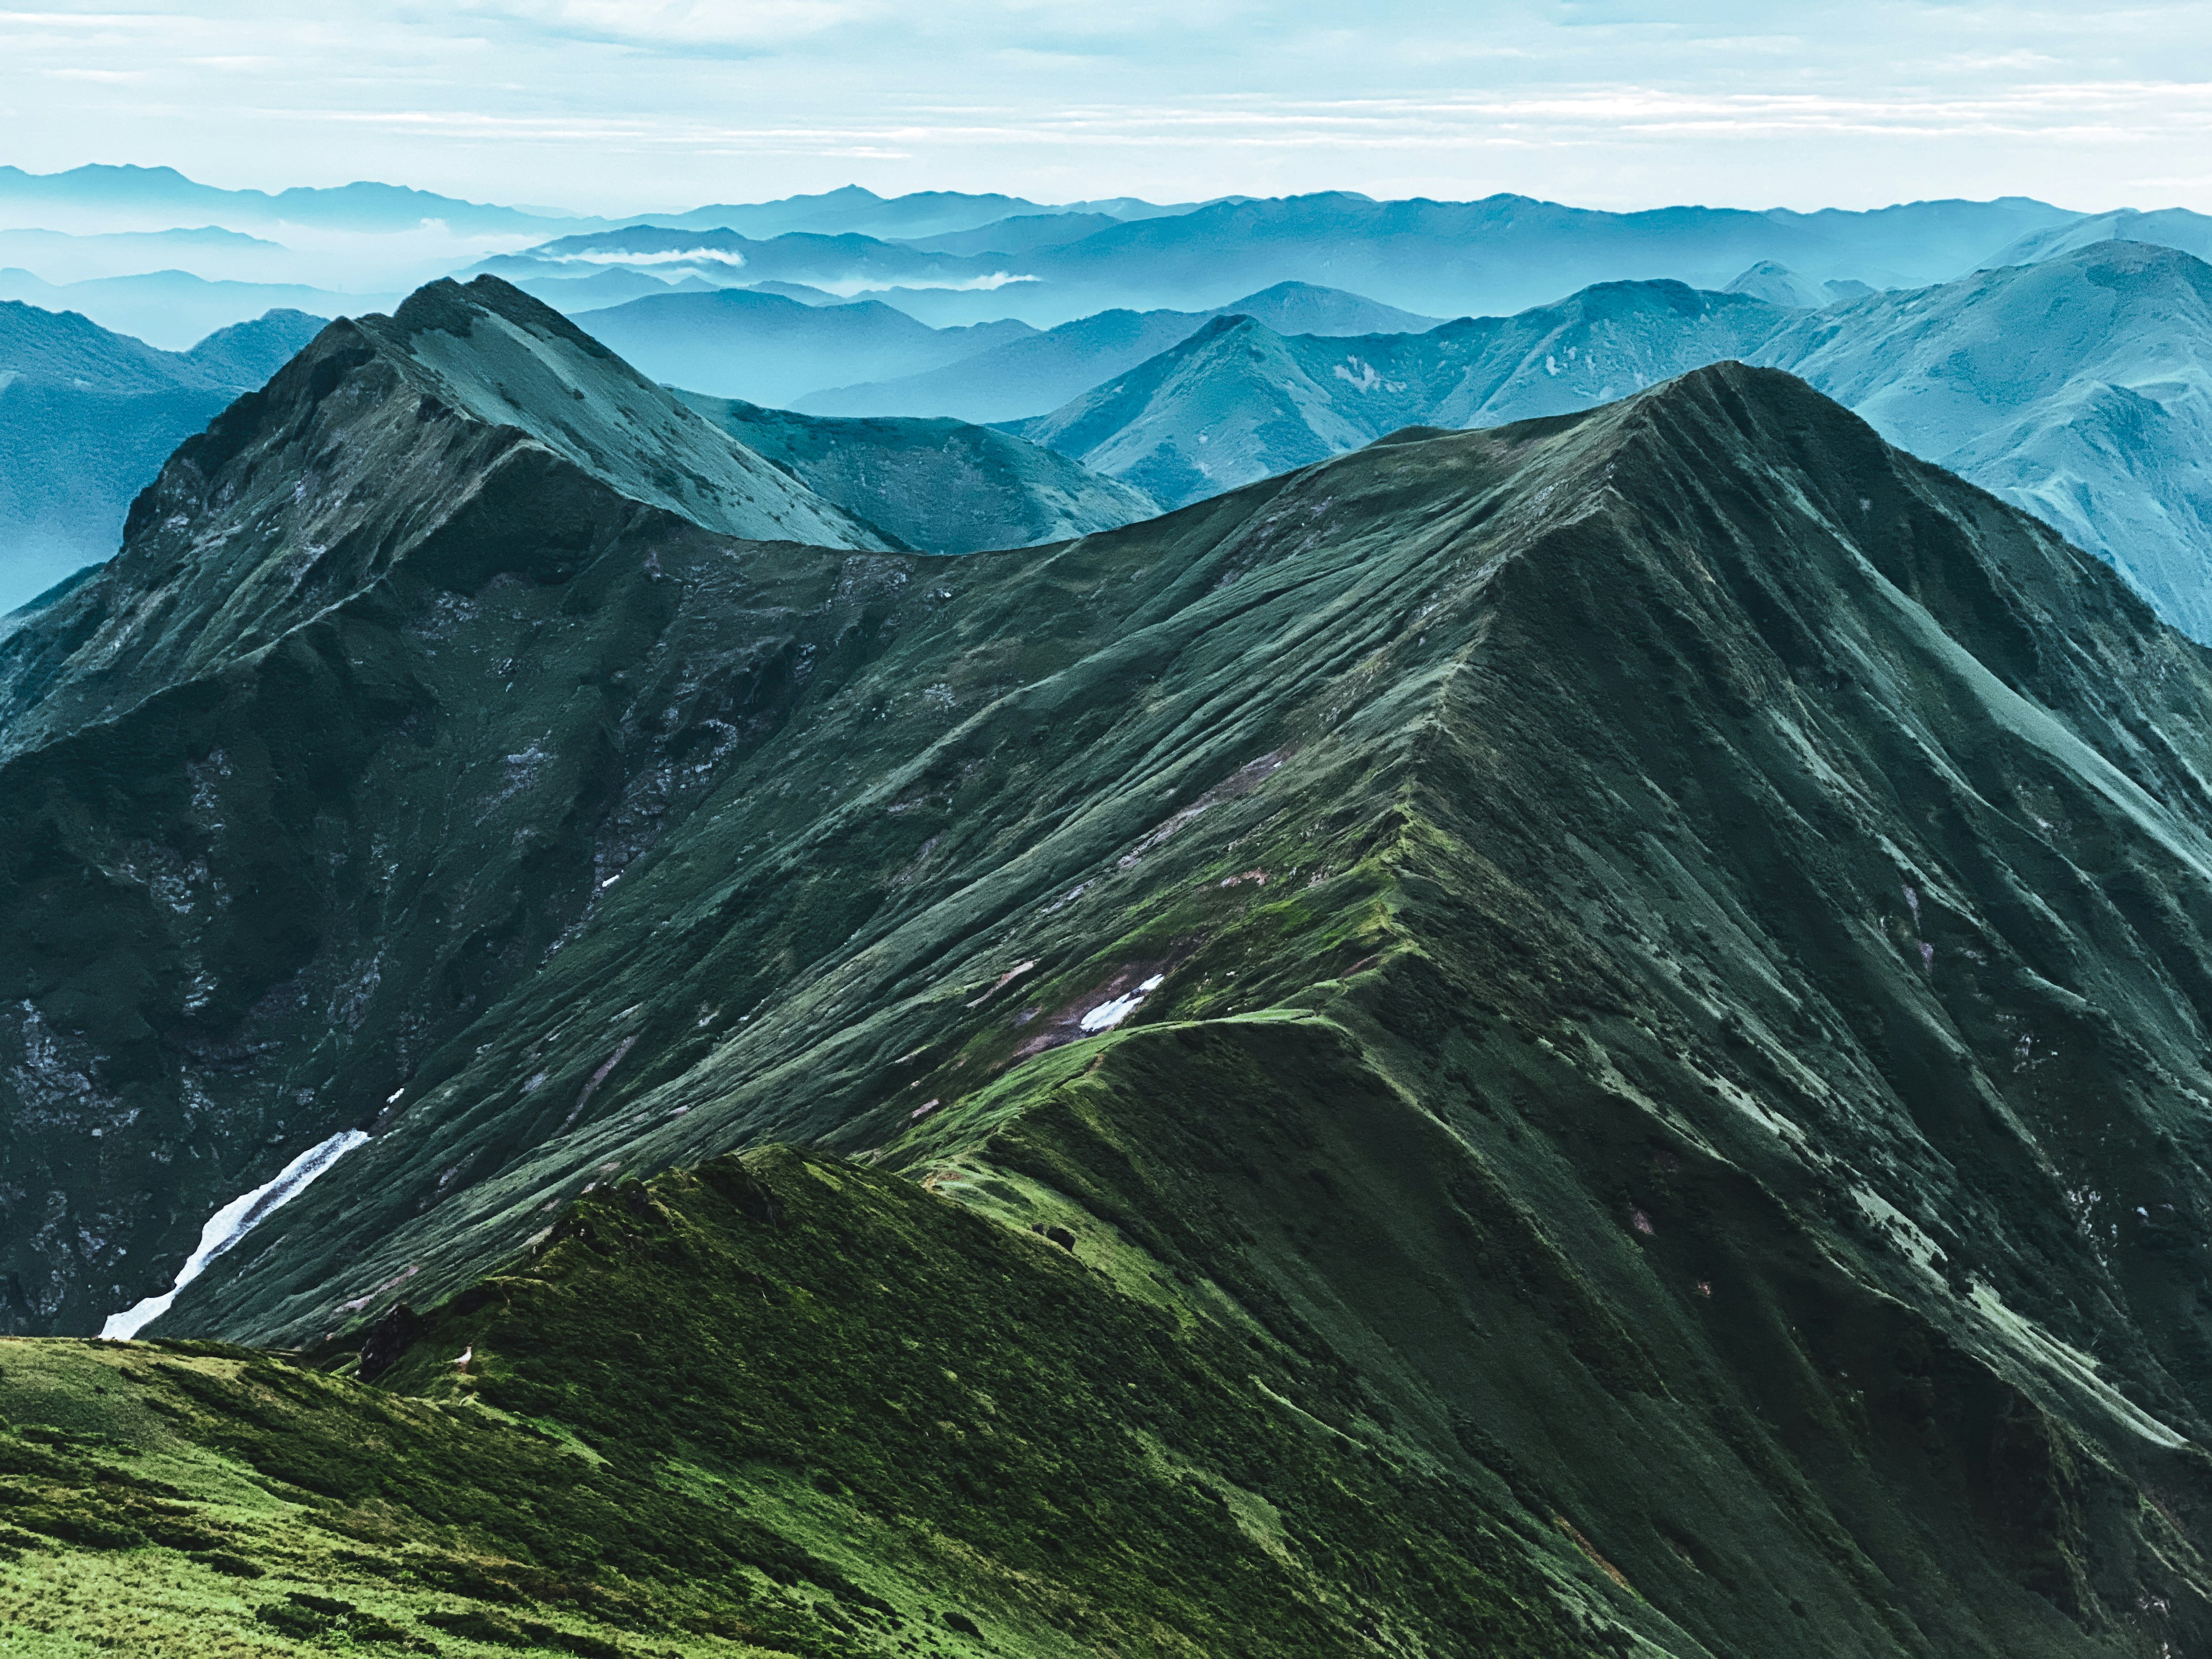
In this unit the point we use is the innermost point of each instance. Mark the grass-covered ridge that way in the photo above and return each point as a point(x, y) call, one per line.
point(779, 1403)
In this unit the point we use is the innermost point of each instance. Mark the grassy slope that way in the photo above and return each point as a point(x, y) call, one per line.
point(779, 1403)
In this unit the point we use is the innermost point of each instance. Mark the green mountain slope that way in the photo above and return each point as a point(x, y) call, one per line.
point(87, 418)
point(1637, 977)
point(938, 486)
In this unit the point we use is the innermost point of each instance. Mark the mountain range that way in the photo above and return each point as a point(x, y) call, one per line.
point(2077, 387)
point(87, 418)
point(1587, 1036)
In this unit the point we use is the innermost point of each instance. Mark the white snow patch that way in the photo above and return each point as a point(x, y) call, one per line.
point(232, 1223)
point(1107, 1015)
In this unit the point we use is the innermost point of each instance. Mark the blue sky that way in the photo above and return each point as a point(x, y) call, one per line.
point(604, 105)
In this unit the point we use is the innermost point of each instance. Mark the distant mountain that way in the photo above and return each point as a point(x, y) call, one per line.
point(1778, 285)
point(173, 308)
point(2079, 387)
point(571, 295)
point(1506, 253)
point(158, 197)
point(1431, 258)
point(57, 257)
point(1020, 378)
point(767, 349)
point(2176, 228)
point(924, 216)
point(1238, 401)
point(845, 261)
point(938, 486)
point(88, 417)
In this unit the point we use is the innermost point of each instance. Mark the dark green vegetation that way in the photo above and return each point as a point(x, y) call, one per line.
point(87, 418)
point(936, 486)
point(776, 1404)
point(1608, 1018)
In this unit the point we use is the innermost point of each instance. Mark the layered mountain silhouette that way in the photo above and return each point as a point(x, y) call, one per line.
point(1022, 376)
point(2075, 387)
point(88, 417)
point(770, 348)
point(1588, 1035)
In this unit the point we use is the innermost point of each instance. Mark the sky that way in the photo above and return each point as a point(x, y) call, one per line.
point(619, 106)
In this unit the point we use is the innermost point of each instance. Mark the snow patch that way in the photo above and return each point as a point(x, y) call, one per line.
point(232, 1223)
point(1107, 1015)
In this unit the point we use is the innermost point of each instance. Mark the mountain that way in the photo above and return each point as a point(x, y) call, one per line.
point(1025, 375)
point(2079, 387)
point(1236, 401)
point(938, 486)
point(1778, 285)
point(156, 198)
point(170, 309)
point(87, 418)
point(2176, 228)
point(1480, 1048)
point(1426, 258)
point(1507, 252)
point(770, 348)
point(2076, 388)
point(574, 294)
point(923, 216)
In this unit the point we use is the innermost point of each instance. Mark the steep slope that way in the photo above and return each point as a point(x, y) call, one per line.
point(1236, 401)
point(766, 348)
point(938, 486)
point(1016, 379)
point(2079, 387)
point(1641, 974)
point(88, 417)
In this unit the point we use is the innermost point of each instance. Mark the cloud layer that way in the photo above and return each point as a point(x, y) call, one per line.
point(609, 105)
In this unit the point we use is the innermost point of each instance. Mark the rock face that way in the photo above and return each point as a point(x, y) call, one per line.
point(1646, 966)
point(936, 486)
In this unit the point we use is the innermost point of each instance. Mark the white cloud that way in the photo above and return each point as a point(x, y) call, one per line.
point(614, 105)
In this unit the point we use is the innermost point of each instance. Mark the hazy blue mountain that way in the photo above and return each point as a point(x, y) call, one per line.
point(571, 295)
point(1432, 258)
point(59, 256)
point(1778, 285)
point(173, 308)
point(2079, 387)
point(847, 261)
point(1041, 372)
point(938, 486)
point(767, 349)
point(927, 214)
point(1238, 401)
point(1506, 253)
point(2168, 228)
point(1018, 234)
point(166, 195)
point(88, 417)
